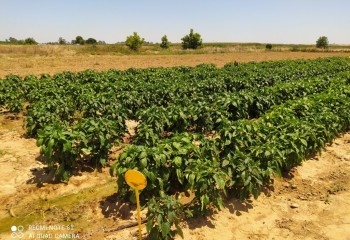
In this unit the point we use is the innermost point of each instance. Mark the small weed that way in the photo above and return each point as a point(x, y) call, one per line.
point(327, 200)
point(337, 187)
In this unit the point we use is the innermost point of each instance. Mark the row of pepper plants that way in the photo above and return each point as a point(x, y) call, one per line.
point(239, 161)
point(212, 131)
point(205, 115)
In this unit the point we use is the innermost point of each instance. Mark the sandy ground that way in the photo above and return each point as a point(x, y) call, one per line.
point(310, 202)
point(33, 64)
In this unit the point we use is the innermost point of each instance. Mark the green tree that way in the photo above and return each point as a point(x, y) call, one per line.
point(322, 42)
point(268, 46)
point(134, 41)
point(62, 41)
point(13, 40)
point(165, 43)
point(91, 41)
point(30, 41)
point(79, 40)
point(192, 40)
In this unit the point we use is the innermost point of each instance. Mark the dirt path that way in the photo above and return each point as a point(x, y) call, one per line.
point(312, 202)
point(25, 65)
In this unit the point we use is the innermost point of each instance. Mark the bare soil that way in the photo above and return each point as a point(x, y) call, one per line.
point(31, 63)
point(310, 202)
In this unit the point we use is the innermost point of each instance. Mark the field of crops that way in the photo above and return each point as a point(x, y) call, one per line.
point(206, 131)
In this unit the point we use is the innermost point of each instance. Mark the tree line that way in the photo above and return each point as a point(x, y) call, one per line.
point(134, 42)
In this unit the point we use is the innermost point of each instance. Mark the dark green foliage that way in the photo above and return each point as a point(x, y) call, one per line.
point(164, 215)
point(79, 40)
point(30, 41)
point(97, 137)
point(268, 46)
point(91, 41)
point(62, 41)
point(27, 41)
point(192, 40)
point(58, 148)
point(322, 42)
point(165, 43)
point(134, 41)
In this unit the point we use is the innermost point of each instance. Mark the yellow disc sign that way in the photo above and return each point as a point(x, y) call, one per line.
point(135, 179)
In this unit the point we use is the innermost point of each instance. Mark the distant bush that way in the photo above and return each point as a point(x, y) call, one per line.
point(322, 42)
point(79, 40)
point(268, 46)
point(62, 41)
point(30, 41)
point(91, 41)
point(165, 43)
point(192, 40)
point(13, 40)
point(294, 49)
point(134, 41)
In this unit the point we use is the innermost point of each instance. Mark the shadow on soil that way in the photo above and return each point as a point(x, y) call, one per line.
point(41, 176)
point(236, 206)
point(199, 222)
point(46, 175)
point(113, 207)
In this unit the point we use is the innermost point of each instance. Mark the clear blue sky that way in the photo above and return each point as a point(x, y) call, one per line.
point(273, 21)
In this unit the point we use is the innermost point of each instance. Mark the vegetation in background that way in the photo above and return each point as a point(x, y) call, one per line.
point(165, 43)
point(150, 48)
point(30, 41)
point(192, 40)
point(62, 41)
point(78, 40)
point(91, 41)
point(14, 41)
point(268, 46)
point(134, 41)
point(322, 42)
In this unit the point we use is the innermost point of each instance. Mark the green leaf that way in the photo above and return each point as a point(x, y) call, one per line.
point(159, 220)
point(51, 143)
point(204, 200)
point(86, 151)
point(225, 163)
point(304, 142)
point(123, 156)
point(179, 231)
point(191, 179)
point(161, 184)
point(177, 145)
point(143, 162)
point(143, 154)
point(178, 161)
point(67, 147)
point(103, 162)
point(171, 216)
point(247, 181)
point(179, 175)
point(165, 229)
point(219, 181)
point(149, 225)
point(39, 142)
